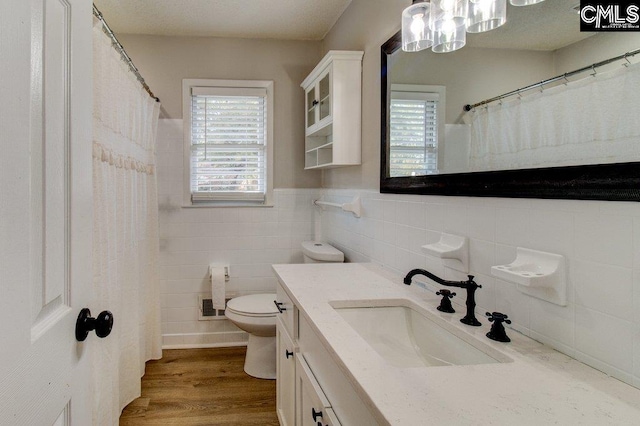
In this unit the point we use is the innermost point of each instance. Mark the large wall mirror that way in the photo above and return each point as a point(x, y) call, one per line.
point(430, 144)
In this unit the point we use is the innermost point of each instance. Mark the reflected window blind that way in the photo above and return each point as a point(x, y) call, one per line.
point(228, 144)
point(413, 133)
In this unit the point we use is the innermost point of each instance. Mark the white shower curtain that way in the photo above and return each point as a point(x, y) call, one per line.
point(590, 121)
point(125, 240)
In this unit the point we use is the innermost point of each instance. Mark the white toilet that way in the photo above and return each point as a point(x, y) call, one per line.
point(256, 314)
point(319, 252)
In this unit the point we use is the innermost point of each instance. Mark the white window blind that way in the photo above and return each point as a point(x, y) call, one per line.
point(413, 134)
point(228, 144)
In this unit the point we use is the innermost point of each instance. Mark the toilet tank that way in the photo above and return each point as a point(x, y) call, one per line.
point(319, 252)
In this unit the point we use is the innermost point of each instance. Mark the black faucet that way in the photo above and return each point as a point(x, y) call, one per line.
point(470, 285)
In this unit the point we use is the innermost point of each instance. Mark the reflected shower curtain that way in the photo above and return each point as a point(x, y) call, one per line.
point(125, 235)
point(590, 121)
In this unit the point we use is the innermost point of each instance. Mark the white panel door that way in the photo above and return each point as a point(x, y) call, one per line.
point(45, 210)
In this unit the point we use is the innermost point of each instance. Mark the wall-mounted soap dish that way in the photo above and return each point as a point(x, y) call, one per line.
point(537, 273)
point(452, 249)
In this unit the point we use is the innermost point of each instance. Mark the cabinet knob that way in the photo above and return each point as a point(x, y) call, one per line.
point(314, 103)
point(279, 306)
point(315, 414)
point(287, 353)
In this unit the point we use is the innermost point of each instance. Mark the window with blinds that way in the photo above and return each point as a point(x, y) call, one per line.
point(228, 141)
point(413, 133)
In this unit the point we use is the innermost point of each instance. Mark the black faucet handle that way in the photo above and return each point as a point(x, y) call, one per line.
point(445, 293)
point(497, 331)
point(498, 317)
point(445, 303)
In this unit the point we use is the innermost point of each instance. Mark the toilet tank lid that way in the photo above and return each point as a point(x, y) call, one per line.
point(322, 251)
point(254, 304)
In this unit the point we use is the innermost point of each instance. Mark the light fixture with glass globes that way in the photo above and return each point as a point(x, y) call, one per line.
point(416, 34)
point(443, 24)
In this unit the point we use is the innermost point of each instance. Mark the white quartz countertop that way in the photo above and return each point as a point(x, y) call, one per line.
point(540, 387)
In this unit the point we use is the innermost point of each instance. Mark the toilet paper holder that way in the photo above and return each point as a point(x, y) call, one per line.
point(226, 270)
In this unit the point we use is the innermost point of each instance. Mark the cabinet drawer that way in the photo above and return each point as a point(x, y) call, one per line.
point(288, 311)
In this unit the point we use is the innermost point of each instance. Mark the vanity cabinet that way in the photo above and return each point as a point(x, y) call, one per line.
point(311, 389)
point(333, 93)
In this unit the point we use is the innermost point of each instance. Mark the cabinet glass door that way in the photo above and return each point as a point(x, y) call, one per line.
point(311, 107)
point(325, 97)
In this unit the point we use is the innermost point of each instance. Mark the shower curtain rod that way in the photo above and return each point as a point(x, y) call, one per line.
point(123, 53)
point(551, 80)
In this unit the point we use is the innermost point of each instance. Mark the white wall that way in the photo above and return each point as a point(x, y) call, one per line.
point(250, 240)
point(165, 61)
point(600, 240)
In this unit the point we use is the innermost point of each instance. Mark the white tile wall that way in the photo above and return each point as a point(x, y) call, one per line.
point(600, 240)
point(250, 240)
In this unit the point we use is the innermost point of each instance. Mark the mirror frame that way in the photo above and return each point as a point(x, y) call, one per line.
point(611, 182)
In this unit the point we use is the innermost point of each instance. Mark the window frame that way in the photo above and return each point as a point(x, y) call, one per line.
point(187, 85)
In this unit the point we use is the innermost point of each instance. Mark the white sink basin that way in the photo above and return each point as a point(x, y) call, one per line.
point(406, 335)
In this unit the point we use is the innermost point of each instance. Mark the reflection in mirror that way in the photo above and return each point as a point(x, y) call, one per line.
point(416, 121)
point(544, 44)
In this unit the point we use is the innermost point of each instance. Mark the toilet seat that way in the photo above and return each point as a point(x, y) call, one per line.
point(253, 305)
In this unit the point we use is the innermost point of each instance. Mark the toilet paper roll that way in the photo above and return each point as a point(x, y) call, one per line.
point(217, 286)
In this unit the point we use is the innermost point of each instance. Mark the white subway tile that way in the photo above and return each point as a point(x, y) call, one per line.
point(553, 322)
point(482, 256)
point(180, 300)
point(510, 301)
point(389, 211)
point(482, 223)
point(513, 226)
point(636, 351)
point(434, 217)
point(636, 297)
point(636, 242)
point(604, 239)
point(181, 314)
point(605, 338)
point(551, 231)
point(604, 288)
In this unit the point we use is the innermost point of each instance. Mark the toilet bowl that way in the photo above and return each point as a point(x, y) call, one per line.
point(256, 314)
point(319, 252)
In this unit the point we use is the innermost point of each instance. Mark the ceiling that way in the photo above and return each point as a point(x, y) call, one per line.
point(274, 19)
point(549, 25)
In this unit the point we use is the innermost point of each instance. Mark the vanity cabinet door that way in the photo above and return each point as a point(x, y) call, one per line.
point(285, 375)
point(312, 406)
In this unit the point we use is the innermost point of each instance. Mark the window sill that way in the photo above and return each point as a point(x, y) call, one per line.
point(225, 205)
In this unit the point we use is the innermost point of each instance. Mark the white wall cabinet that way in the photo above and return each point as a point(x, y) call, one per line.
point(333, 98)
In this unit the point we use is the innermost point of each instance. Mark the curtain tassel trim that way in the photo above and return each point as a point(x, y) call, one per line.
point(120, 161)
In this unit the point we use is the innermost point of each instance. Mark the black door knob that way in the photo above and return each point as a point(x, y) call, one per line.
point(85, 323)
point(315, 414)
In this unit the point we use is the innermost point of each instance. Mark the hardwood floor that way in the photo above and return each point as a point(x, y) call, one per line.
point(202, 387)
